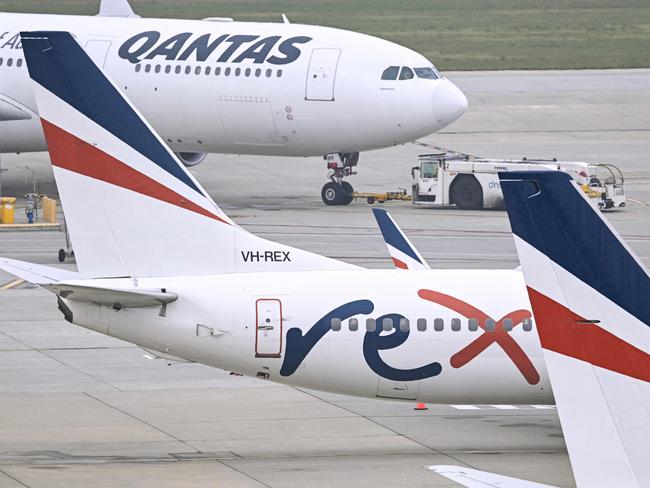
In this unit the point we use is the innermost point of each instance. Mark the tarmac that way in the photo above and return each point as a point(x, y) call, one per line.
point(80, 409)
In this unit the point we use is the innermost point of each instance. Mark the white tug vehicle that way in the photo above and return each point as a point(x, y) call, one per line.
point(445, 179)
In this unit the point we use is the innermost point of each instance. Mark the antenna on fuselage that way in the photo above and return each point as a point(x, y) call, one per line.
point(116, 8)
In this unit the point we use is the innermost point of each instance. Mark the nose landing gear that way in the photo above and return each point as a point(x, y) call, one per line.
point(337, 191)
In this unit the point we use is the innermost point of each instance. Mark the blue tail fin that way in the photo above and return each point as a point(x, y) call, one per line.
point(552, 214)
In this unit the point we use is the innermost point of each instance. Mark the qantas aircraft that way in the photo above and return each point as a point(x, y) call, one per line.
point(589, 294)
point(244, 88)
point(242, 303)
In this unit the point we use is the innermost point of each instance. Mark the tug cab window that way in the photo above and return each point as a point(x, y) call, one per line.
point(429, 169)
point(390, 73)
point(406, 73)
point(427, 73)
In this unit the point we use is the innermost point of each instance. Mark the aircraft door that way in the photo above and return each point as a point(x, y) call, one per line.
point(322, 74)
point(97, 50)
point(268, 328)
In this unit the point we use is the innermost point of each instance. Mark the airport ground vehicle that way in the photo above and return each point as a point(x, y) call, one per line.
point(473, 183)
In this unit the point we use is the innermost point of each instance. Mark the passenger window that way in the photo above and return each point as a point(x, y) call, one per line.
point(138, 67)
point(10, 62)
point(217, 71)
point(208, 70)
point(353, 325)
point(387, 324)
point(406, 73)
point(438, 325)
point(279, 74)
point(188, 70)
point(178, 70)
point(1, 60)
point(247, 72)
point(226, 72)
point(507, 325)
point(197, 70)
point(371, 325)
point(336, 324)
point(455, 324)
point(390, 73)
point(269, 72)
point(157, 69)
point(527, 324)
point(472, 325)
point(147, 68)
point(258, 72)
point(19, 63)
point(237, 71)
point(490, 325)
point(168, 69)
point(426, 73)
point(422, 325)
point(404, 324)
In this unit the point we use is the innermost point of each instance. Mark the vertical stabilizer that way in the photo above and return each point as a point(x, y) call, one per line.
point(131, 207)
point(116, 8)
point(591, 301)
point(402, 251)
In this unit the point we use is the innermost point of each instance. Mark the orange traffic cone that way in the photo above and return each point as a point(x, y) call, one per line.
point(421, 406)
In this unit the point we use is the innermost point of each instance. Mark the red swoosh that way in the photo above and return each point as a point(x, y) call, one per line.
point(499, 335)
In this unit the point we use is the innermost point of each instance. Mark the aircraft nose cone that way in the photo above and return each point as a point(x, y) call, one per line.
point(449, 103)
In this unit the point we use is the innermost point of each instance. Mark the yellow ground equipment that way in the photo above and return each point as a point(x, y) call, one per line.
point(7, 210)
point(382, 197)
point(49, 209)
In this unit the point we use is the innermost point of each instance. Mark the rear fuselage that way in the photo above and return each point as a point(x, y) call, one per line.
point(433, 341)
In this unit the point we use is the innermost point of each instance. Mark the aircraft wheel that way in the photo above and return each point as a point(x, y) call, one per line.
point(331, 193)
point(335, 194)
point(348, 192)
point(467, 193)
point(61, 255)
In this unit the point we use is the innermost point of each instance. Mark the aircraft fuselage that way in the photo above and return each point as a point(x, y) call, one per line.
point(240, 87)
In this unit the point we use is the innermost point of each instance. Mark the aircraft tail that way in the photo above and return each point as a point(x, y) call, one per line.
point(131, 207)
point(402, 252)
point(591, 300)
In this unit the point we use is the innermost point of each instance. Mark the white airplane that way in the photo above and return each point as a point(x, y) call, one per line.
point(589, 294)
point(220, 86)
point(242, 303)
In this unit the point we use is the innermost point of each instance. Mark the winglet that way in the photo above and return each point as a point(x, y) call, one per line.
point(402, 251)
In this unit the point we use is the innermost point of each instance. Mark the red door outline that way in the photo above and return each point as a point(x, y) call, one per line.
point(257, 329)
point(498, 336)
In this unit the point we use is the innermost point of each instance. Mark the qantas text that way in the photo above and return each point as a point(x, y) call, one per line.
point(230, 48)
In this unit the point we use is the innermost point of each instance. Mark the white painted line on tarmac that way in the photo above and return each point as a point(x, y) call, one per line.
point(505, 407)
point(465, 407)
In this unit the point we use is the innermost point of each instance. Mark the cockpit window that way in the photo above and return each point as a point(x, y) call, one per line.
point(406, 73)
point(427, 73)
point(390, 73)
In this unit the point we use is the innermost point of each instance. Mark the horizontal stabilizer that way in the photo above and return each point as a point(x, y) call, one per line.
point(113, 297)
point(472, 478)
point(36, 273)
